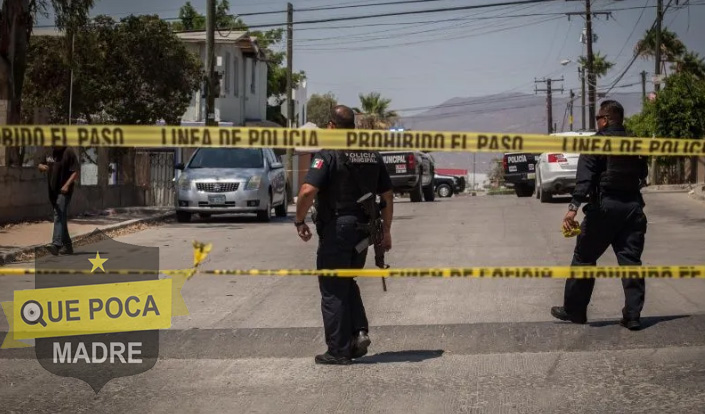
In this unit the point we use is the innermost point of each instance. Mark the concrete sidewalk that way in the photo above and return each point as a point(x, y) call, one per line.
point(18, 241)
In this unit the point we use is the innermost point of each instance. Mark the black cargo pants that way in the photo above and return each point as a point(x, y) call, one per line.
point(622, 224)
point(341, 303)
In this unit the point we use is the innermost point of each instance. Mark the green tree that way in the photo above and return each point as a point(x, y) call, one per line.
point(132, 72)
point(376, 111)
point(678, 111)
point(600, 64)
point(671, 47)
point(17, 19)
point(690, 62)
point(189, 18)
point(319, 107)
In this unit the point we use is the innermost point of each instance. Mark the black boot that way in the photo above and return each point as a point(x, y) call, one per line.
point(53, 249)
point(66, 250)
point(360, 344)
point(560, 313)
point(328, 359)
point(631, 324)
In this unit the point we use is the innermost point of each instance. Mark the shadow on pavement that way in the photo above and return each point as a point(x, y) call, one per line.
point(401, 356)
point(646, 322)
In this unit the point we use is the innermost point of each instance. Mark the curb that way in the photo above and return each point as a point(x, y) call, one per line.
point(668, 188)
point(82, 239)
point(698, 195)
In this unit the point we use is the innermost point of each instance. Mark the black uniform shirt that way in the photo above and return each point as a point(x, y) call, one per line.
point(592, 166)
point(325, 167)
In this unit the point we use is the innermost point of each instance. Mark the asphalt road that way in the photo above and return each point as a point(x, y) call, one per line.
point(438, 345)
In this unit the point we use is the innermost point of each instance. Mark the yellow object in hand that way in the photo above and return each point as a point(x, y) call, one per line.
point(571, 233)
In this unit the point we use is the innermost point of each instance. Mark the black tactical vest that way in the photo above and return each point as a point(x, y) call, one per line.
point(350, 180)
point(623, 173)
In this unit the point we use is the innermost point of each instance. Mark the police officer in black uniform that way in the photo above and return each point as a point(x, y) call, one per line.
point(614, 216)
point(337, 180)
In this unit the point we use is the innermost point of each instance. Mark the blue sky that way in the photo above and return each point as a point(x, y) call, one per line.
point(425, 59)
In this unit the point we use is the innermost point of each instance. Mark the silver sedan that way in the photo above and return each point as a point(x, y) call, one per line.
point(231, 180)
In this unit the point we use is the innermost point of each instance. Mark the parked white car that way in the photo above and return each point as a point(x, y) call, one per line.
point(556, 172)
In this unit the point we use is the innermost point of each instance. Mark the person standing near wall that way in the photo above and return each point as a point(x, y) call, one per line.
point(61, 166)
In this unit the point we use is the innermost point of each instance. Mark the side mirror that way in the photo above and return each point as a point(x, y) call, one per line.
point(277, 165)
point(180, 166)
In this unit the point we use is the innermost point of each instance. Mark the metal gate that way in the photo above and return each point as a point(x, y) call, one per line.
point(156, 176)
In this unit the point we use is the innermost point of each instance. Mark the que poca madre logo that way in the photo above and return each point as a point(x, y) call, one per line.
point(96, 315)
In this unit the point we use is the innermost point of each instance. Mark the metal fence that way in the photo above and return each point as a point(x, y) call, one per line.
point(155, 172)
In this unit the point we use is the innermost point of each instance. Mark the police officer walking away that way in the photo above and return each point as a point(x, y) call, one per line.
point(613, 216)
point(337, 179)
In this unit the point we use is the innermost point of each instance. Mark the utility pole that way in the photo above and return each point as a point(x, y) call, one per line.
point(657, 58)
point(590, 61)
point(588, 13)
point(581, 70)
point(572, 97)
point(289, 91)
point(210, 63)
point(289, 64)
point(549, 99)
point(657, 81)
point(643, 86)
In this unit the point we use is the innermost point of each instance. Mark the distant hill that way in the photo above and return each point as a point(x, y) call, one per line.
point(516, 112)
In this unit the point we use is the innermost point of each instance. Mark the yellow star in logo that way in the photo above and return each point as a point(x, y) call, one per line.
point(97, 262)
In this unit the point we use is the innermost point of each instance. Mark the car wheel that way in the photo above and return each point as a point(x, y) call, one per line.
point(416, 194)
point(183, 217)
point(544, 196)
point(282, 209)
point(444, 191)
point(266, 214)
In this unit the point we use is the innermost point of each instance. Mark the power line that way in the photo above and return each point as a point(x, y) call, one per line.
point(269, 25)
point(636, 55)
point(370, 37)
point(354, 6)
point(409, 12)
point(467, 18)
point(633, 30)
point(460, 8)
point(463, 36)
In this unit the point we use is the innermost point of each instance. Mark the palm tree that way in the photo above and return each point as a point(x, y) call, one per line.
point(671, 47)
point(600, 64)
point(376, 110)
point(691, 63)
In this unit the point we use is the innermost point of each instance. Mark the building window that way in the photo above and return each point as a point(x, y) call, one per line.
point(254, 71)
point(226, 73)
point(236, 72)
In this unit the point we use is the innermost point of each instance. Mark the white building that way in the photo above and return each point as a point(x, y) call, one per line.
point(243, 85)
point(300, 98)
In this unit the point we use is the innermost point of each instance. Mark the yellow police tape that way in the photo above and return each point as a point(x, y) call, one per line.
point(245, 137)
point(541, 272)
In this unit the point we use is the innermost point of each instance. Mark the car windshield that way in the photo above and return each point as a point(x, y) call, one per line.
point(227, 158)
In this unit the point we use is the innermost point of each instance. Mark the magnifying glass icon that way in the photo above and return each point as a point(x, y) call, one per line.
point(32, 313)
